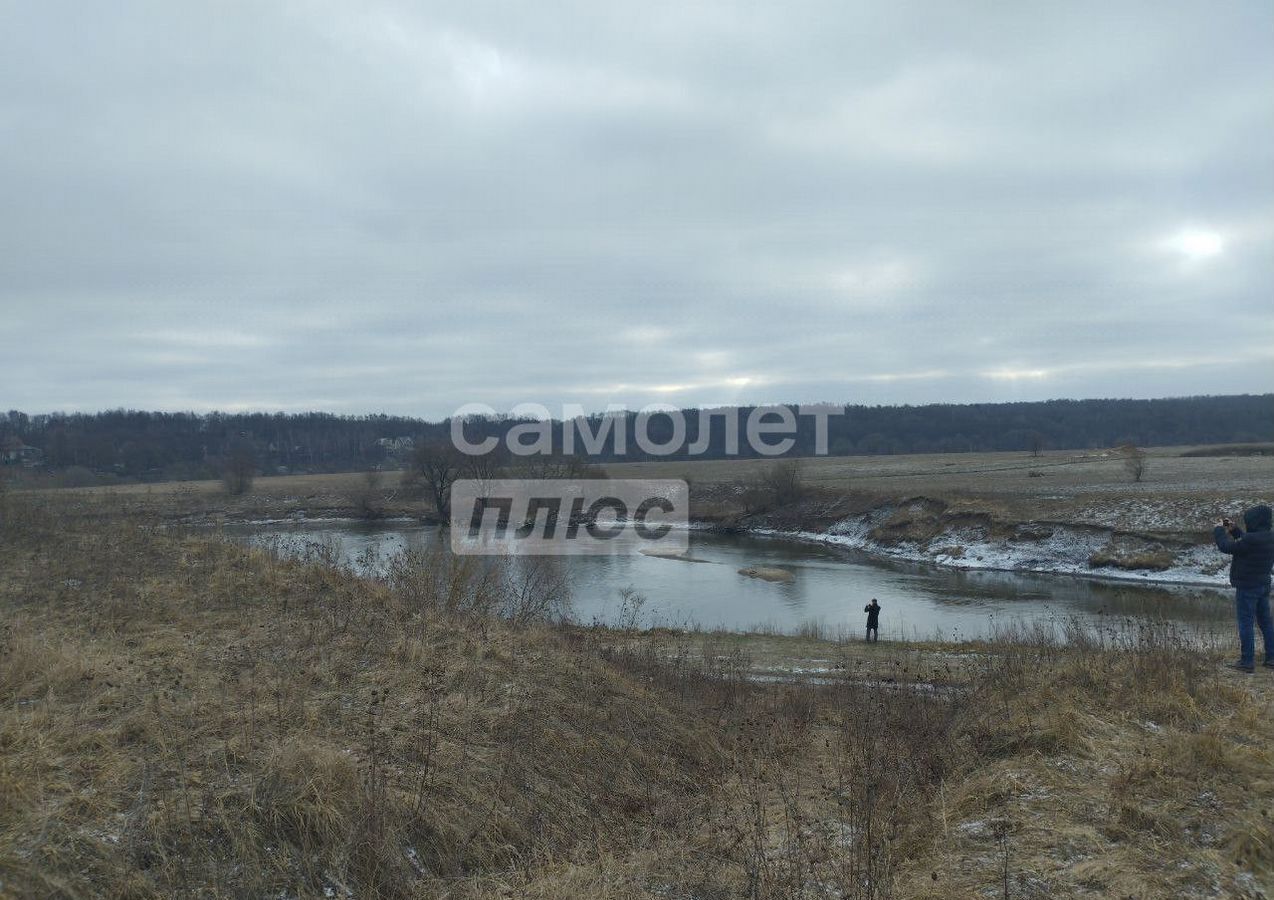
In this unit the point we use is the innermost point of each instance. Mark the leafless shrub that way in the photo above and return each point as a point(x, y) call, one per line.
point(240, 468)
point(367, 497)
point(1134, 459)
point(431, 580)
point(535, 589)
point(558, 465)
point(631, 605)
point(780, 484)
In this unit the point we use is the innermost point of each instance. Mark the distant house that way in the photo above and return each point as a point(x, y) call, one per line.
point(14, 452)
point(396, 446)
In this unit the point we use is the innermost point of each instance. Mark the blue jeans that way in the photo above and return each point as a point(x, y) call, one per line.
point(1253, 608)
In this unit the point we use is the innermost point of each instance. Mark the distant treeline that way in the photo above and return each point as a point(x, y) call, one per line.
point(155, 445)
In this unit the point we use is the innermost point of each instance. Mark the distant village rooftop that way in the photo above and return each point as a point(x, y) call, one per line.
point(14, 451)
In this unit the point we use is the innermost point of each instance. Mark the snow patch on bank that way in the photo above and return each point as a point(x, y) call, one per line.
point(1044, 547)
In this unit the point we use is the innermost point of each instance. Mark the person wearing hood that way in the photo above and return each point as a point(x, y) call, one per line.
point(1253, 554)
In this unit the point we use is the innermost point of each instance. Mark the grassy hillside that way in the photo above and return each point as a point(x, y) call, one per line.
point(185, 717)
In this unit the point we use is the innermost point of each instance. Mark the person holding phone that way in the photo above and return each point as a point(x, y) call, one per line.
point(873, 620)
point(1253, 558)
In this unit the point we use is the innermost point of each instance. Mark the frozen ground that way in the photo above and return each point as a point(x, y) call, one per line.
point(1047, 546)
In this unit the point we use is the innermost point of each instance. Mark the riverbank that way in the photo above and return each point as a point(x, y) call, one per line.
point(1071, 512)
point(178, 710)
point(975, 542)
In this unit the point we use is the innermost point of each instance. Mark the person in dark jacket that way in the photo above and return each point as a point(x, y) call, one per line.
point(1253, 554)
point(873, 620)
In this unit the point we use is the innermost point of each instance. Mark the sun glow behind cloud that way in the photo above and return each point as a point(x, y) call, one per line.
point(1195, 244)
point(1008, 374)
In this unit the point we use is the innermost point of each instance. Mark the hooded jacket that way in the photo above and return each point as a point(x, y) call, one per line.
point(1253, 551)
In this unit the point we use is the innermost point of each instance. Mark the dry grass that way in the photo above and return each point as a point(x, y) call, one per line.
point(1131, 770)
point(1150, 560)
point(185, 717)
point(360, 495)
point(181, 714)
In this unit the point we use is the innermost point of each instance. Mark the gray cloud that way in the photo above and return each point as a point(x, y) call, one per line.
point(408, 207)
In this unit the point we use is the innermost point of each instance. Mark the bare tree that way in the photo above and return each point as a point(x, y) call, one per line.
point(240, 467)
point(1134, 461)
point(435, 465)
point(1035, 441)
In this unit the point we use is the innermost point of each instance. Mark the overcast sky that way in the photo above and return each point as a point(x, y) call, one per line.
point(373, 206)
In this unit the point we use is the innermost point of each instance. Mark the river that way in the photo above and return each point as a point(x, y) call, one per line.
point(828, 588)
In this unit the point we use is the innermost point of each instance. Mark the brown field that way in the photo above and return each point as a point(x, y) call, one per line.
point(1069, 486)
point(1177, 493)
